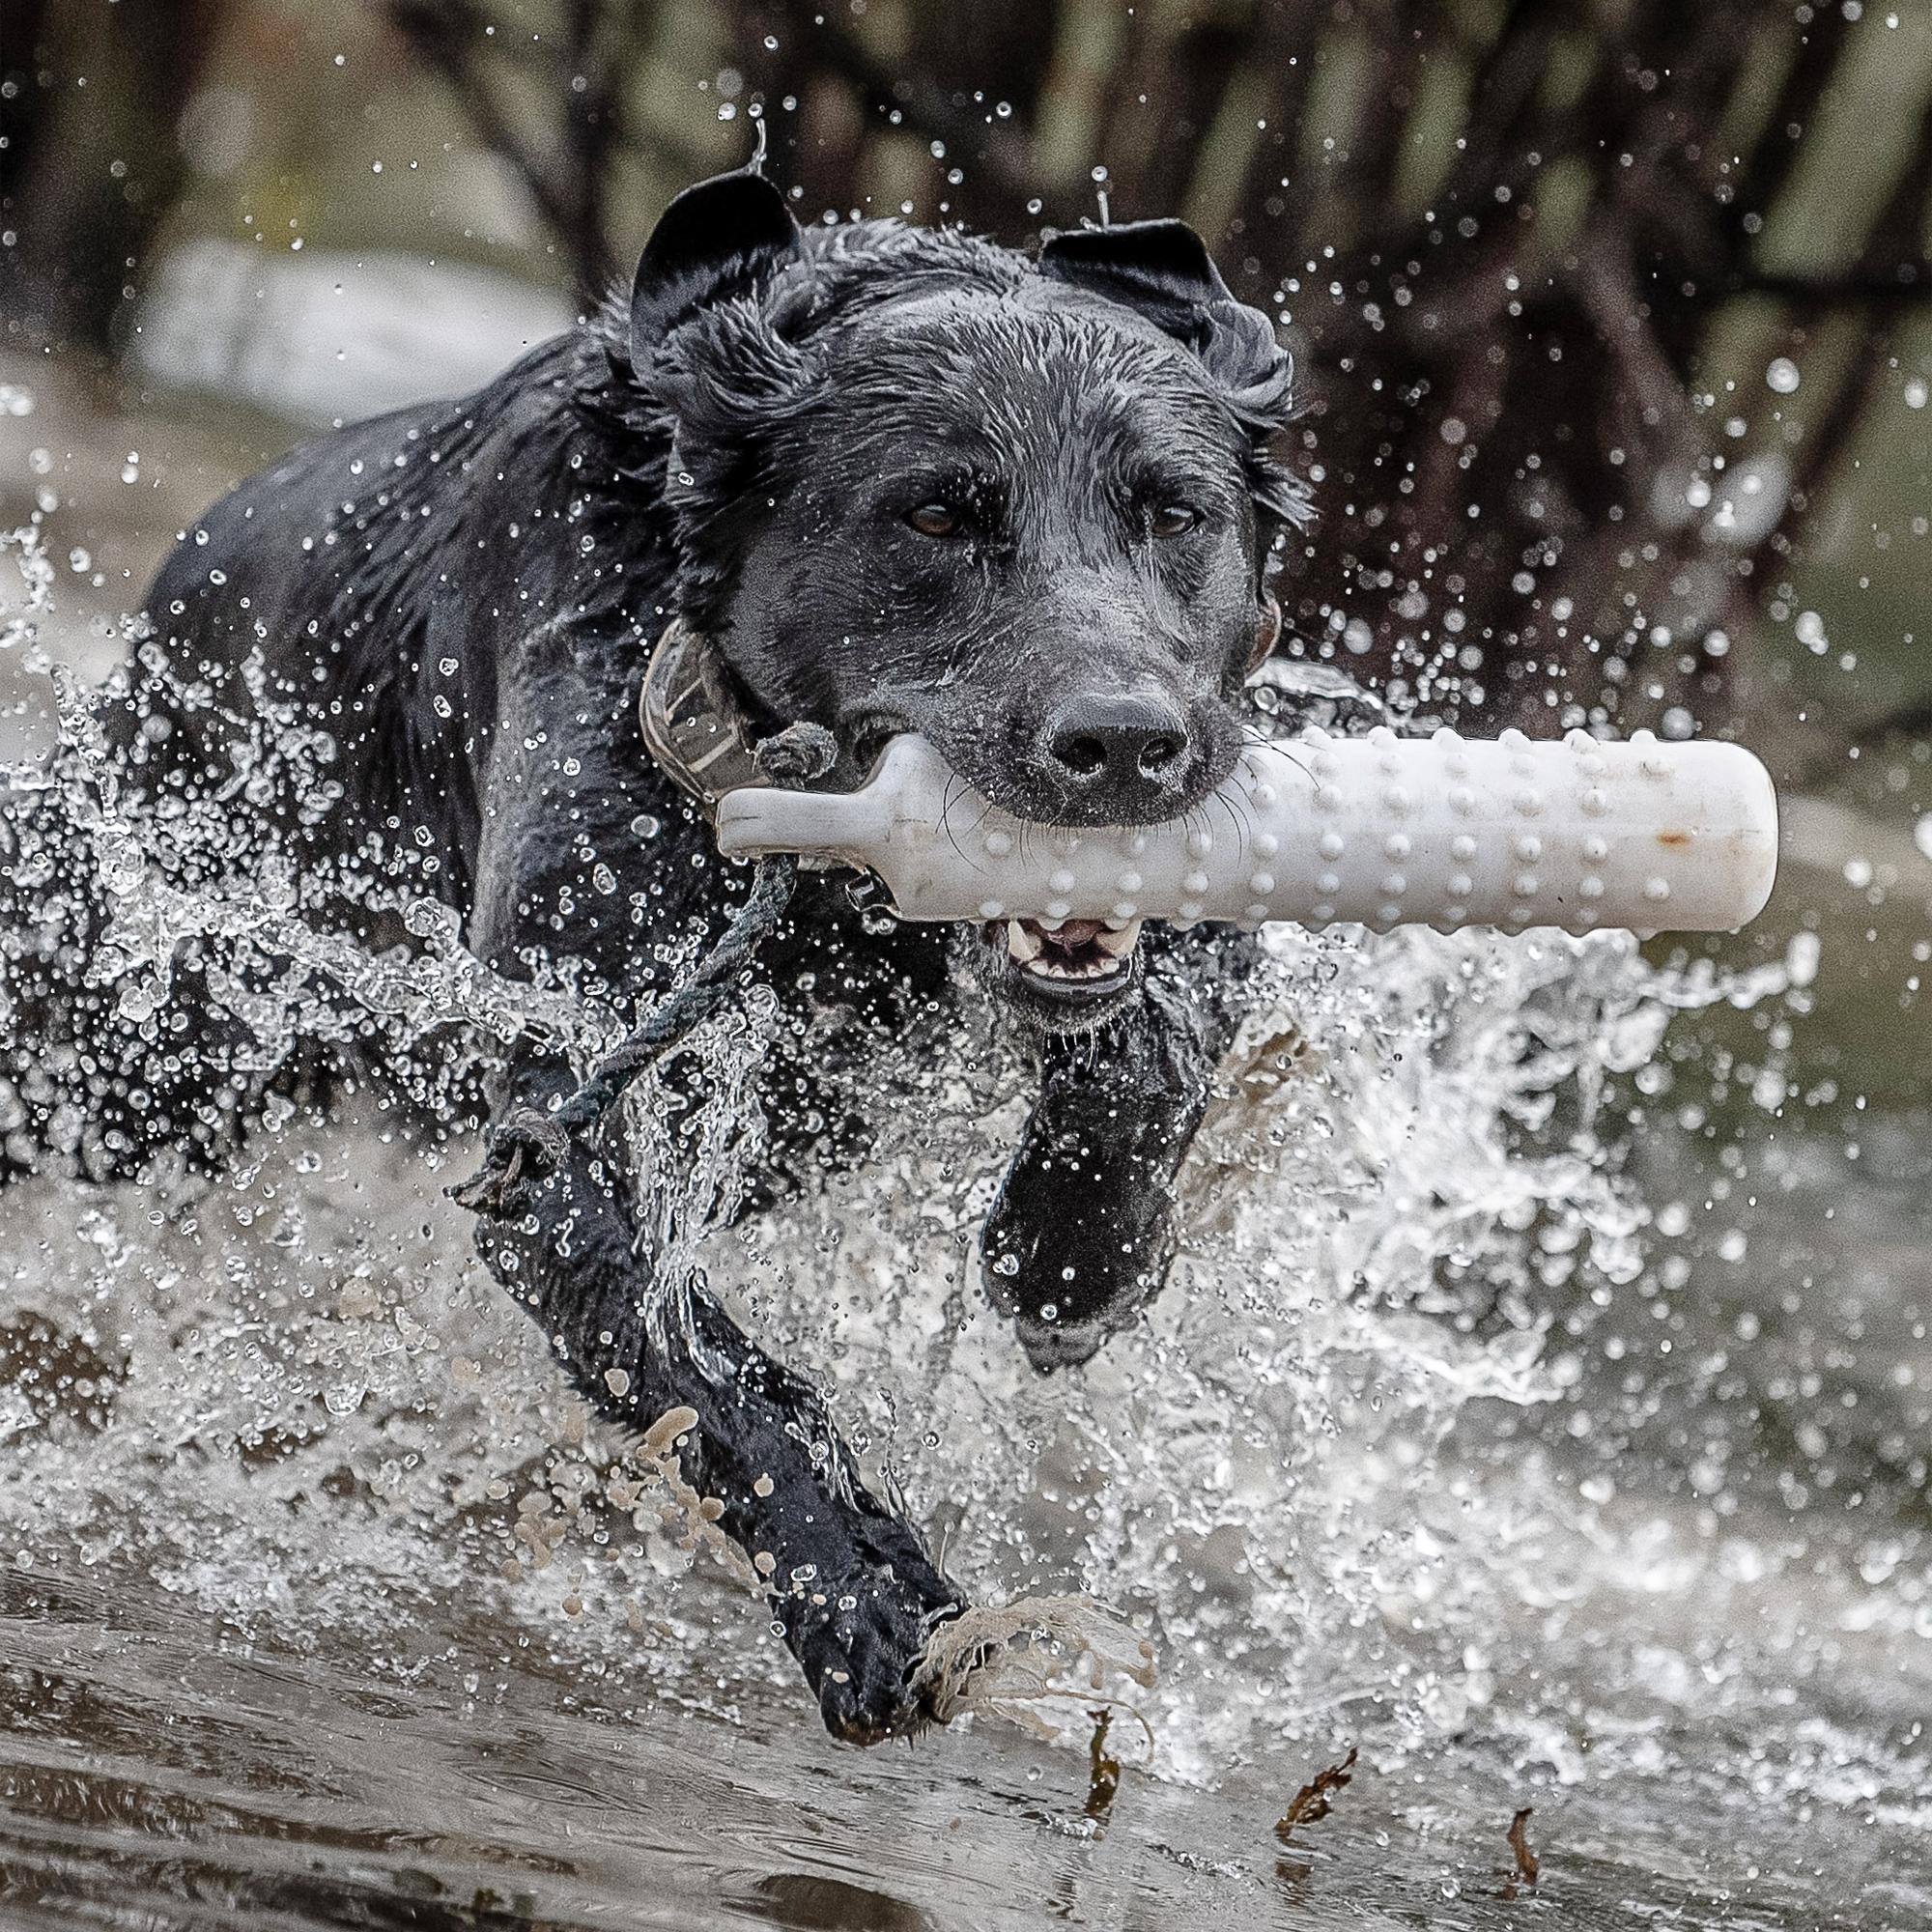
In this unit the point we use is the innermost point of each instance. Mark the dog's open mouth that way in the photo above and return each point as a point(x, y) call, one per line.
point(1071, 962)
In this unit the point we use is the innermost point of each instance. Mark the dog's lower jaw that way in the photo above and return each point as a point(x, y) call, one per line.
point(1069, 1022)
point(1049, 1007)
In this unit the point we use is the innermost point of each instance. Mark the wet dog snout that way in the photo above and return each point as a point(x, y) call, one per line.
point(1129, 750)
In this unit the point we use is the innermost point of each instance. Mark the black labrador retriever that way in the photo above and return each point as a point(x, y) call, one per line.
point(869, 479)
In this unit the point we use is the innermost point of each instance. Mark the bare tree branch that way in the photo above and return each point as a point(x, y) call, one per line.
point(968, 133)
point(450, 37)
point(1768, 168)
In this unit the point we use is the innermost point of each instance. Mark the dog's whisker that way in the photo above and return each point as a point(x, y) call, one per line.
point(948, 800)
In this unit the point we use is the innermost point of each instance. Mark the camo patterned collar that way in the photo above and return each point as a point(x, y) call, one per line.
point(686, 732)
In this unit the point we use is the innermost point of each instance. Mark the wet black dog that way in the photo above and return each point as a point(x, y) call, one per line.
point(888, 479)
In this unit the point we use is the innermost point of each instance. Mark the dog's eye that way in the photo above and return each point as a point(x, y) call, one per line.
point(935, 520)
point(1174, 520)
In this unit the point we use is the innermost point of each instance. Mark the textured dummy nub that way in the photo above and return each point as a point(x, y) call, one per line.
point(1384, 831)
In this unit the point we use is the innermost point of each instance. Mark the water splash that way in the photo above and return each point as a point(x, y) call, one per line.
point(292, 1397)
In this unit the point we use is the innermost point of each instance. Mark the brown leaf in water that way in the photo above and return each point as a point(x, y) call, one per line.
point(1527, 1864)
point(1103, 1772)
point(1310, 1803)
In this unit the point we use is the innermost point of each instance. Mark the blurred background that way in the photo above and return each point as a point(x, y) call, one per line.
point(1610, 310)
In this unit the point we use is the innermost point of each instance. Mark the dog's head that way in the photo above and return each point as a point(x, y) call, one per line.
point(1022, 507)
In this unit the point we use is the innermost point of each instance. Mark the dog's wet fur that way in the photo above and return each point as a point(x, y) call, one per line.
point(895, 480)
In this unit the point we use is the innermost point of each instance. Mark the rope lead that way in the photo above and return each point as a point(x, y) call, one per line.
point(527, 1146)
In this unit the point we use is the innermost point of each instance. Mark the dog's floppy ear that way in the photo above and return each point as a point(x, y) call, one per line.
point(712, 240)
point(1162, 270)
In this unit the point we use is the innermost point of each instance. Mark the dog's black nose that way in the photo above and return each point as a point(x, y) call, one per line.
point(1129, 747)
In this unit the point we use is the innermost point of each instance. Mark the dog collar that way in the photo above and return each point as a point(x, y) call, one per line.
point(686, 732)
point(692, 736)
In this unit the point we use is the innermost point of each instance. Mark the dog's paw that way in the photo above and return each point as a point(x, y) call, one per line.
point(861, 1651)
point(1070, 1280)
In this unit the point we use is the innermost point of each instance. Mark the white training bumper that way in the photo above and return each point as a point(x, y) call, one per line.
point(1386, 831)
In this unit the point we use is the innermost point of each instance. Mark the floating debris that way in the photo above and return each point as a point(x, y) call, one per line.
point(1311, 1804)
point(1103, 1771)
point(1528, 1866)
point(657, 1457)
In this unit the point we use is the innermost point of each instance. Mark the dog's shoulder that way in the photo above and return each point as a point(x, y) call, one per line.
point(344, 515)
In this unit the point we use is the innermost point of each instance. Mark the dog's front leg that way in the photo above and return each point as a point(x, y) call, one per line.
point(559, 871)
point(1082, 1233)
point(850, 1583)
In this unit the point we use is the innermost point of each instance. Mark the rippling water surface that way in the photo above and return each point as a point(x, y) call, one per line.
point(1540, 1409)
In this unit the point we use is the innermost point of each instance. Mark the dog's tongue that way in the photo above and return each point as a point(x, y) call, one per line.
point(1072, 935)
